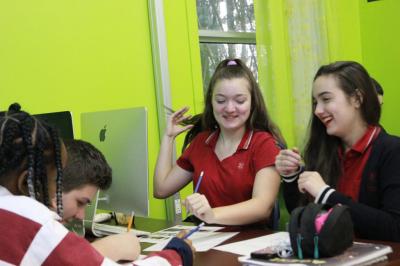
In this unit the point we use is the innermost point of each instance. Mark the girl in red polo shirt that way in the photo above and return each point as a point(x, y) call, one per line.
point(349, 158)
point(231, 161)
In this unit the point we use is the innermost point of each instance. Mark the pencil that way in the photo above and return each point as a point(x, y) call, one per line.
point(197, 228)
point(199, 181)
point(130, 222)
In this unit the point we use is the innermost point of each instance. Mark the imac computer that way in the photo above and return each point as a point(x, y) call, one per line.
point(121, 135)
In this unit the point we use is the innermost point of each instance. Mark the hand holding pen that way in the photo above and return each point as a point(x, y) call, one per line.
point(196, 189)
point(199, 182)
point(198, 204)
point(194, 230)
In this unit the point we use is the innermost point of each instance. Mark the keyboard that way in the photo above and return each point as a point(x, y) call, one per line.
point(106, 229)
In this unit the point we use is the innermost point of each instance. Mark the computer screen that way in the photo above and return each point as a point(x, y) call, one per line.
point(61, 121)
point(121, 135)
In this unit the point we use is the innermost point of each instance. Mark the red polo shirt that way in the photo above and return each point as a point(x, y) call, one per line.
point(353, 163)
point(231, 180)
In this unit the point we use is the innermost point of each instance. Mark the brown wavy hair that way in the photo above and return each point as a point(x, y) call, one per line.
point(259, 118)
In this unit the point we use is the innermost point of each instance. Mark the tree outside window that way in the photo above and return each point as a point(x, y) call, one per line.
point(227, 30)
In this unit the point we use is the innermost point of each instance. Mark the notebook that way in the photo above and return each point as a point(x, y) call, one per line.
point(358, 254)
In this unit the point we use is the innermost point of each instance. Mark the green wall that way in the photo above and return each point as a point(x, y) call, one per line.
point(368, 32)
point(380, 40)
point(184, 63)
point(274, 63)
point(94, 55)
point(343, 30)
point(80, 56)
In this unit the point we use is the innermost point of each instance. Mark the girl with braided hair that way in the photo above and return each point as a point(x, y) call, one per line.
point(32, 158)
point(30, 149)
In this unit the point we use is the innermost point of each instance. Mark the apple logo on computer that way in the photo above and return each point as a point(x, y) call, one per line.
point(102, 134)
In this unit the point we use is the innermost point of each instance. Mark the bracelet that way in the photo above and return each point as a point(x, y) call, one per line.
point(293, 177)
point(290, 179)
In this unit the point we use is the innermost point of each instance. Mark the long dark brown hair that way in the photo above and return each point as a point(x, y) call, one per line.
point(321, 151)
point(259, 118)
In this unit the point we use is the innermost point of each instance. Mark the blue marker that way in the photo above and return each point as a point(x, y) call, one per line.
point(197, 228)
point(199, 181)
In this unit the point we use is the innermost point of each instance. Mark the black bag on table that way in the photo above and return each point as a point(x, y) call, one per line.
point(335, 228)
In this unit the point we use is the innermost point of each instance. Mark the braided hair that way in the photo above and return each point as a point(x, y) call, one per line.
point(27, 143)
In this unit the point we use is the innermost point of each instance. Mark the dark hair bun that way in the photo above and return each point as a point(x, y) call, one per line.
point(15, 107)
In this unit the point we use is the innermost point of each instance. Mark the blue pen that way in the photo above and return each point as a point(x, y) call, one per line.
point(197, 228)
point(199, 181)
point(197, 186)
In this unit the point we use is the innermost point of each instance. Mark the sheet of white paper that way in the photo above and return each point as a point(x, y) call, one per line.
point(181, 227)
point(247, 246)
point(166, 234)
point(202, 241)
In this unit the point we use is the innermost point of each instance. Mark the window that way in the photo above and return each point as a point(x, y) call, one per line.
point(226, 29)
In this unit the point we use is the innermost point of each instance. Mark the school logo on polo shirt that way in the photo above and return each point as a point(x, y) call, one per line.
point(240, 165)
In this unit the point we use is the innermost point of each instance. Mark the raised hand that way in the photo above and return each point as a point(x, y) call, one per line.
point(174, 127)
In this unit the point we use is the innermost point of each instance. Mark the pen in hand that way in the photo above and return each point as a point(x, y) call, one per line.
point(199, 181)
point(197, 186)
point(197, 228)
